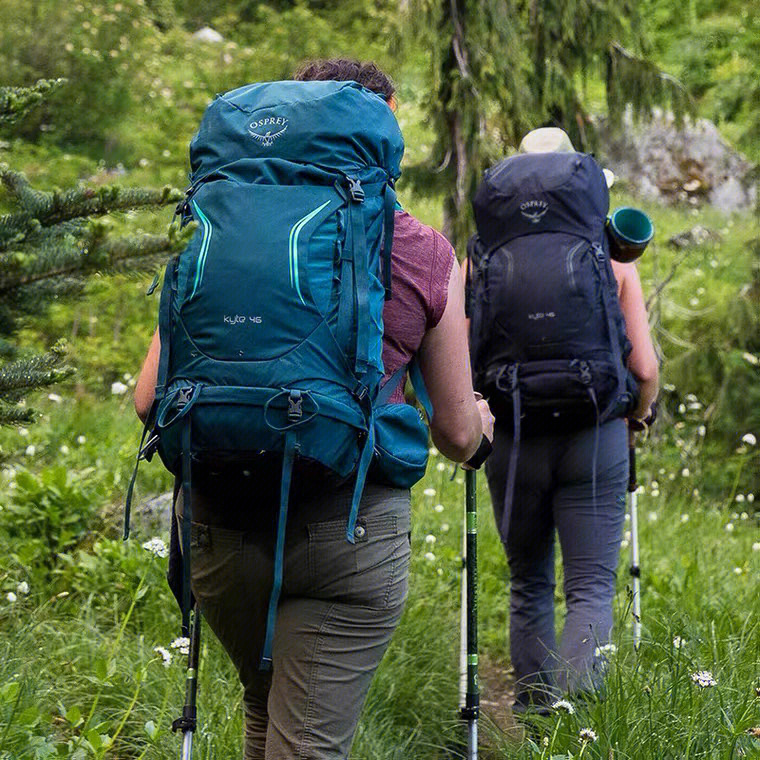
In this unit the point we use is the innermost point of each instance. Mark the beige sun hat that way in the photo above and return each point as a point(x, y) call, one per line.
point(546, 140)
point(554, 140)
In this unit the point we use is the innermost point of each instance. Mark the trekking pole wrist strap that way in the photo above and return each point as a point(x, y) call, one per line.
point(480, 456)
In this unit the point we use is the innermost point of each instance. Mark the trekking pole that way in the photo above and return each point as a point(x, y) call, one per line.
point(471, 707)
point(187, 722)
point(635, 569)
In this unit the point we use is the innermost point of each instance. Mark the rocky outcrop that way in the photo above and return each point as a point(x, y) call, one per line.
point(690, 163)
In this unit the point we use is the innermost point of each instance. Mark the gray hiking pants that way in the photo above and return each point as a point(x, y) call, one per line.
point(554, 490)
point(339, 607)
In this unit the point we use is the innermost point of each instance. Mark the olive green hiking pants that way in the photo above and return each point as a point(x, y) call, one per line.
point(339, 607)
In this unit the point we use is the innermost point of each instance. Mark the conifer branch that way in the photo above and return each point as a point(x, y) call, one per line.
point(17, 101)
point(50, 208)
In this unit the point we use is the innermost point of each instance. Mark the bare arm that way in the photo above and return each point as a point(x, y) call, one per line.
point(146, 383)
point(457, 425)
point(643, 359)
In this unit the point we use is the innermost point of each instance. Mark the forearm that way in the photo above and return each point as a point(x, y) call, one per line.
point(458, 439)
point(648, 388)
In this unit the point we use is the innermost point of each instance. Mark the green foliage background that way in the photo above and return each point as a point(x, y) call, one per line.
point(79, 677)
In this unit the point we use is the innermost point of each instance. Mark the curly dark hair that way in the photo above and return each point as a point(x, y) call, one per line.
point(366, 74)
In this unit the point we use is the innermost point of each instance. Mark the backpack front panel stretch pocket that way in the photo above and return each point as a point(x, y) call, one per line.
point(260, 265)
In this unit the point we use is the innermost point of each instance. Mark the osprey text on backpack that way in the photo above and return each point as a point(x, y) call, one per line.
point(271, 320)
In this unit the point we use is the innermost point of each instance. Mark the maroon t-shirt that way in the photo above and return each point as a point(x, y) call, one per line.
point(422, 260)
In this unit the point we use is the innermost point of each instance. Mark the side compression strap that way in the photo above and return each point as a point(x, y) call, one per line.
point(599, 261)
point(288, 458)
point(361, 285)
point(361, 476)
point(187, 517)
point(164, 331)
point(389, 203)
point(512, 472)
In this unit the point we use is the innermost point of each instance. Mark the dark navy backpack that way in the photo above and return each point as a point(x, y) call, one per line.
point(271, 320)
point(548, 342)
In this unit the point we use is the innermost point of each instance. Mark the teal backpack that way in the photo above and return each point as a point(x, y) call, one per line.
point(270, 320)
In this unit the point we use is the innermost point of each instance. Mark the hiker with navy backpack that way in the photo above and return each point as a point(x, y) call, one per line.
point(560, 346)
point(274, 388)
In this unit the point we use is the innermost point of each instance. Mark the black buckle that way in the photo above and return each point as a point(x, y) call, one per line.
point(356, 190)
point(295, 406)
point(147, 451)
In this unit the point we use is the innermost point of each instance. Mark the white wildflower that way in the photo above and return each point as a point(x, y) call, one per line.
point(166, 655)
point(756, 546)
point(701, 431)
point(81, 440)
point(684, 518)
point(652, 517)
point(445, 528)
point(587, 735)
point(751, 359)
point(624, 544)
point(729, 527)
point(11, 597)
point(429, 492)
point(438, 508)
point(433, 451)
point(459, 481)
point(682, 408)
point(695, 493)
point(738, 571)
point(606, 650)
point(30, 450)
point(627, 535)
point(704, 678)
point(156, 546)
point(23, 588)
point(655, 493)
point(55, 398)
point(430, 538)
point(744, 516)
point(678, 642)
point(749, 439)
point(441, 466)
point(64, 449)
point(23, 432)
point(430, 557)
point(691, 397)
point(685, 472)
point(739, 497)
point(750, 497)
point(126, 377)
point(118, 389)
point(182, 644)
point(563, 704)
point(655, 485)
point(669, 387)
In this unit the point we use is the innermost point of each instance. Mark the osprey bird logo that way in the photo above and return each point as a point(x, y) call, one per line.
point(534, 211)
point(266, 131)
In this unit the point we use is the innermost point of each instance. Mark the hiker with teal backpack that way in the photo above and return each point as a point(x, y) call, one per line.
point(274, 390)
point(560, 346)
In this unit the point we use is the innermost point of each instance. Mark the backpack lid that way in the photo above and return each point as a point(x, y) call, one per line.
point(337, 125)
point(541, 192)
